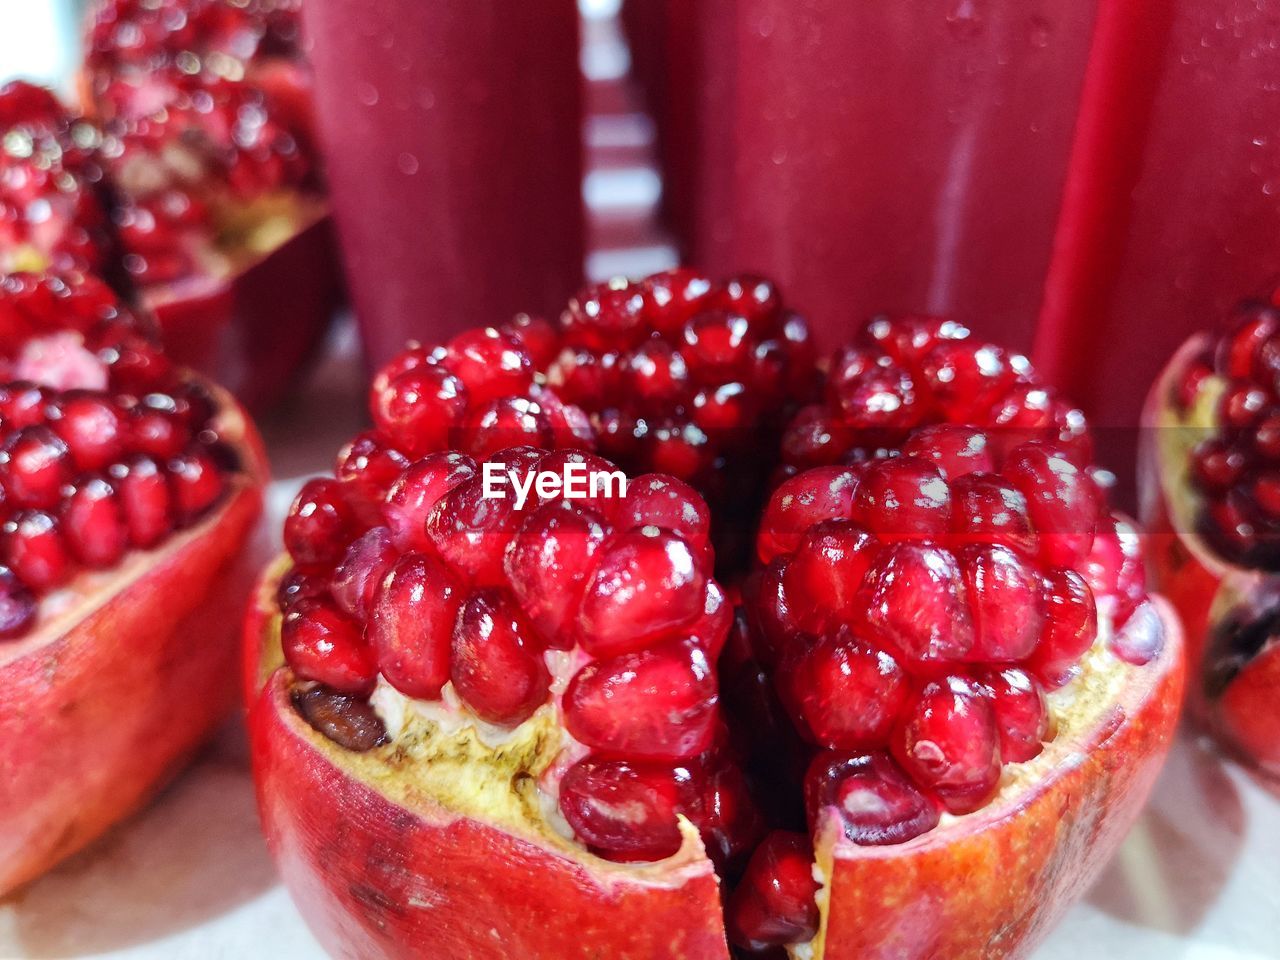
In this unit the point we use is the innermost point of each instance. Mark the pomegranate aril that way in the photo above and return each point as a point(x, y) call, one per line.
point(903, 498)
point(146, 500)
point(1022, 713)
point(1062, 501)
point(196, 482)
point(956, 450)
point(497, 668)
point(491, 364)
point(298, 585)
point(624, 809)
point(93, 523)
point(502, 423)
point(92, 428)
point(417, 410)
point(321, 643)
point(1006, 603)
point(36, 550)
point(915, 604)
point(874, 802)
point(538, 337)
point(655, 704)
point(18, 607)
point(662, 501)
point(1237, 352)
point(824, 493)
point(726, 815)
point(34, 466)
point(416, 490)
point(1217, 466)
point(470, 531)
point(411, 625)
point(1071, 626)
point(949, 743)
point(646, 583)
point(966, 378)
point(988, 509)
point(548, 563)
point(608, 316)
point(361, 571)
point(847, 694)
point(320, 524)
point(775, 903)
point(370, 466)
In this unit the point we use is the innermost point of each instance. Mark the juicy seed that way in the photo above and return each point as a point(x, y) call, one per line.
point(915, 604)
point(411, 625)
point(323, 644)
point(94, 524)
point(548, 563)
point(497, 669)
point(775, 903)
point(873, 800)
point(626, 810)
point(655, 704)
point(320, 524)
point(1022, 714)
point(949, 742)
point(1005, 601)
point(18, 607)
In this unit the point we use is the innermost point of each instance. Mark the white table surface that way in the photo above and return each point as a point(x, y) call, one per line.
point(1199, 879)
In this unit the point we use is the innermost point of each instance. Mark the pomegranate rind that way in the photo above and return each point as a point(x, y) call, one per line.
point(1204, 588)
point(253, 329)
point(382, 880)
point(992, 884)
point(109, 696)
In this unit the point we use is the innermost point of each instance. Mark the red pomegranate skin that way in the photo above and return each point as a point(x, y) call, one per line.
point(99, 716)
point(995, 888)
point(365, 895)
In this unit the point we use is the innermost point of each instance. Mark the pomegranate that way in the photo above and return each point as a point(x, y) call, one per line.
point(130, 489)
point(1208, 470)
point(204, 108)
point(489, 725)
point(674, 373)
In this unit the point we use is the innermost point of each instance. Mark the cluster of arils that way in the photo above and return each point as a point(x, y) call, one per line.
point(1236, 471)
point(51, 211)
point(907, 372)
point(674, 373)
point(602, 609)
point(104, 445)
point(206, 128)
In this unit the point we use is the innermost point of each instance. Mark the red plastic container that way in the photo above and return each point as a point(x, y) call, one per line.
point(1096, 180)
point(453, 151)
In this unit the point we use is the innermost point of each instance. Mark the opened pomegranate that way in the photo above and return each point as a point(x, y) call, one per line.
point(51, 211)
point(130, 488)
point(204, 107)
point(487, 727)
point(675, 373)
point(1210, 472)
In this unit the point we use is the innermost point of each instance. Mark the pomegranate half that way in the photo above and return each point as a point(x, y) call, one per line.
point(1205, 474)
point(117, 655)
point(482, 730)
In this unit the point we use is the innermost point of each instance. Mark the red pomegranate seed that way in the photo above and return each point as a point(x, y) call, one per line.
point(608, 316)
point(646, 583)
point(35, 550)
point(775, 902)
point(1006, 603)
point(323, 644)
point(1022, 714)
point(873, 801)
point(370, 466)
point(471, 531)
point(538, 337)
point(847, 693)
point(490, 363)
point(625, 810)
point(158, 433)
point(957, 451)
point(497, 667)
point(657, 500)
point(548, 563)
point(824, 576)
point(94, 524)
point(915, 604)
point(1242, 406)
point(949, 743)
point(1062, 501)
point(416, 490)
point(1115, 568)
point(1217, 466)
point(418, 409)
point(18, 608)
point(656, 704)
point(1266, 493)
point(197, 483)
point(967, 378)
point(711, 630)
point(91, 427)
point(298, 585)
point(502, 423)
point(361, 570)
point(815, 437)
point(411, 625)
point(146, 500)
point(824, 493)
point(320, 524)
point(1071, 626)
point(1257, 323)
point(989, 509)
point(903, 498)
point(775, 618)
point(727, 816)
point(1266, 440)
point(34, 466)
point(657, 375)
point(876, 396)
point(23, 404)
